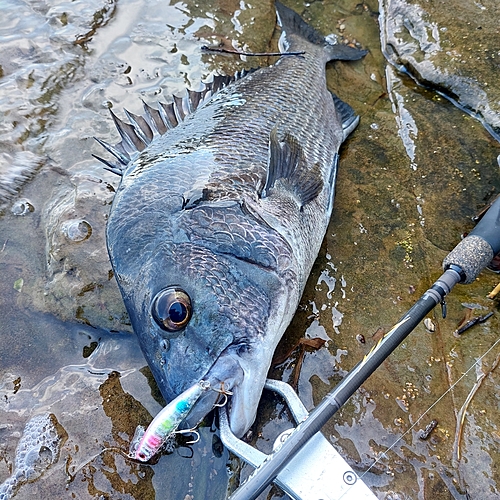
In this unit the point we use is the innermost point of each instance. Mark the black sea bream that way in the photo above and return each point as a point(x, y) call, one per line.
point(224, 201)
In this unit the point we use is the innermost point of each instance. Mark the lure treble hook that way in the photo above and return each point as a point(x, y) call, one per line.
point(225, 393)
point(190, 431)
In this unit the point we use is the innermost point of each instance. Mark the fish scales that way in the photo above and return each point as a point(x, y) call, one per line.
point(226, 229)
point(274, 86)
point(217, 221)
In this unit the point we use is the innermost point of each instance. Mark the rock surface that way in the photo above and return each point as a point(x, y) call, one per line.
point(452, 47)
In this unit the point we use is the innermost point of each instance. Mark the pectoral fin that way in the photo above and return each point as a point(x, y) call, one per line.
point(288, 165)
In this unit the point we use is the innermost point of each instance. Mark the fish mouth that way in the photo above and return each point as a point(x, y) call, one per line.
point(242, 382)
point(246, 387)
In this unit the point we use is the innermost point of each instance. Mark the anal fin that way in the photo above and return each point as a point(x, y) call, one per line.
point(347, 115)
point(331, 181)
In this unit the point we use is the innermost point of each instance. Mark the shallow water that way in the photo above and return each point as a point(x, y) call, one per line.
point(410, 177)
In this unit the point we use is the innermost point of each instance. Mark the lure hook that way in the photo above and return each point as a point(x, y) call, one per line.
point(190, 431)
point(224, 401)
point(225, 393)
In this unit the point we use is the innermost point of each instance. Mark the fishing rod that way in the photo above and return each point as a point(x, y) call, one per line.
point(462, 265)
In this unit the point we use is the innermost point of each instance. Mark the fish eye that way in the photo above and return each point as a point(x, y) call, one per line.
point(171, 309)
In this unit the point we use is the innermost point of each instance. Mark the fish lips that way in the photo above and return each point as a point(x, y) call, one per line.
point(235, 373)
point(246, 396)
point(241, 377)
point(239, 371)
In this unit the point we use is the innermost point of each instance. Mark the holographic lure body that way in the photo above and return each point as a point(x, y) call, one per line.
point(167, 421)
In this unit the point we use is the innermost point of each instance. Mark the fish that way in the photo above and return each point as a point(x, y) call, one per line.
point(224, 200)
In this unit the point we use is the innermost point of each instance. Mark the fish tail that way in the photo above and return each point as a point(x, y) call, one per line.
point(296, 33)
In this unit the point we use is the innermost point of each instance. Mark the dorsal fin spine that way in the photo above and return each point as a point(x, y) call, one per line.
point(141, 127)
point(111, 167)
point(127, 133)
point(155, 120)
point(194, 99)
point(138, 129)
point(168, 113)
point(114, 151)
point(178, 108)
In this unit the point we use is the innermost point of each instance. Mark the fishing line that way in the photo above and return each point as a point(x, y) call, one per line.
point(206, 48)
point(383, 455)
point(115, 449)
point(71, 475)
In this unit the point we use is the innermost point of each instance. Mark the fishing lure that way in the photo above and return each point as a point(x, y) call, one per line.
point(167, 421)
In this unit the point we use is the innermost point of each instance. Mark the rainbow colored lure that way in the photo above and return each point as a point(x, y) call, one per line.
point(167, 421)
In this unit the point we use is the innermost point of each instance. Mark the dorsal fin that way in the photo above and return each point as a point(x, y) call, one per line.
point(118, 153)
point(168, 114)
point(141, 130)
point(287, 163)
point(220, 81)
point(179, 108)
point(194, 99)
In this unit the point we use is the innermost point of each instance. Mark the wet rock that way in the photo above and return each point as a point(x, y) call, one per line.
point(41, 55)
point(36, 451)
point(429, 324)
point(452, 47)
point(15, 170)
point(80, 284)
point(76, 230)
point(22, 207)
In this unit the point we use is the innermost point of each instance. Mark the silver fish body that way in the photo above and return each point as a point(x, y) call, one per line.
point(217, 221)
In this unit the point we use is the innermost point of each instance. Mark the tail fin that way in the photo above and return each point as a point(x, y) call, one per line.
point(295, 27)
